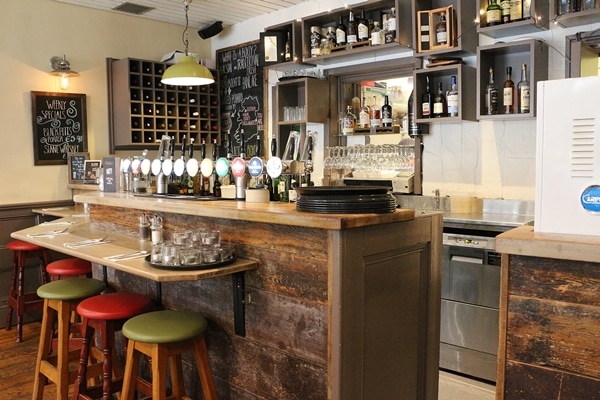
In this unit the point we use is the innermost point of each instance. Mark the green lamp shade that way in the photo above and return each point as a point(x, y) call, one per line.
point(187, 72)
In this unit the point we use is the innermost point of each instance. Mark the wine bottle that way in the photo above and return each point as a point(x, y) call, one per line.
point(288, 48)
point(352, 31)
point(524, 98)
point(452, 98)
point(505, 11)
point(375, 114)
point(349, 122)
point(427, 101)
point(376, 34)
point(340, 33)
point(363, 27)
point(440, 107)
point(364, 115)
point(508, 93)
point(491, 95)
point(493, 14)
point(441, 34)
point(516, 10)
point(386, 113)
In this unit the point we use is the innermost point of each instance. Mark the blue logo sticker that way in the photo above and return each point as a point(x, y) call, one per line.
point(590, 199)
point(255, 167)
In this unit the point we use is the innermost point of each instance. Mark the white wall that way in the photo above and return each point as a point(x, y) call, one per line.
point(33, 31)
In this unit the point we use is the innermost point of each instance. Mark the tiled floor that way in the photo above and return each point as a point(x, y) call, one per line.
point(456, 387)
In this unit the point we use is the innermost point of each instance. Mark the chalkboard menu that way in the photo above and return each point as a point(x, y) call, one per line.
point(242, 87)
point(76, 163)
point(59, 126)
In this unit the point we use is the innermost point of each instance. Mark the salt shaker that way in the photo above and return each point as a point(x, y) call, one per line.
point(156, 227)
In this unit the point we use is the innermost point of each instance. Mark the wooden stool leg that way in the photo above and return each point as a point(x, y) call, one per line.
point(12, 292)
point(43, 350)
point(62, 363)
point(159, 372)
point(176, 368)
point(204, 371)
point(22, 259)
point(86, 333)
point(131, 370)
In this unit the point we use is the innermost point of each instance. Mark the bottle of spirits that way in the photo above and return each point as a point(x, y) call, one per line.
point(352, 31)
point(491, 95)
point(505, 11)
point(386, 113)
point(516, 10)
point(363, 27)
point(340, 33)
point(331, 36)
point(390, 34)
point(375, 114)
point(348, 122)
point(364, 115)
point(452, 98)
point(440, 107)
point(413, 127)
point(376, 34)
point(427, 101)
point(493, 14)
point(315, 41)
point(523, 92)
point(288, 48)
point(441, 34)
point(508, 93)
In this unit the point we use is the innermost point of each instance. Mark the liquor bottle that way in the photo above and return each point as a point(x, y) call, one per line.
point(508, 93)
point(452, 98)
point(427, 101)
point(523, 92)
point(315, 41)
point(363, 27)
point(516, 10)
point(340, 33)
point(441, 34)
point(375, 114)
point(505, 11)
point(386, 113)
point(526, 9)
point(348, 122)
point(390, 27)
point(440, 107)
point(376, 34)
point(364, 115)
point(352, 31)
point(493, 14)
point(413, 127)
point(288, 48)
point(491, 95)
point(331, 37)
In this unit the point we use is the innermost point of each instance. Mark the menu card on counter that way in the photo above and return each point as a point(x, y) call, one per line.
point(112, 169)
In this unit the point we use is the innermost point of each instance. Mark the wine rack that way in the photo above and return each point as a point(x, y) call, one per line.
point(144, 109)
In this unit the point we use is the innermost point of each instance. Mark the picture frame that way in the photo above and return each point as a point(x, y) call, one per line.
point(91, 168)
point(272, 47)
point(76, 166)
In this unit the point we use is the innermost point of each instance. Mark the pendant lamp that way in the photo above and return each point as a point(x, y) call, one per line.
point(187, 71)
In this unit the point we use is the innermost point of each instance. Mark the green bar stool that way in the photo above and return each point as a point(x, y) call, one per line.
point(60, 300)
point(164, 336)
point(69, 267)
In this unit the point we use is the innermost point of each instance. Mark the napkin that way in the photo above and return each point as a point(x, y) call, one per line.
point(57, 223)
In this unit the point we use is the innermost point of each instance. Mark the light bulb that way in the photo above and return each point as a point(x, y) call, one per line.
point(64, 81)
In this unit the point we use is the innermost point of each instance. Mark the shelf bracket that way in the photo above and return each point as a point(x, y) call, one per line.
point(239, 312)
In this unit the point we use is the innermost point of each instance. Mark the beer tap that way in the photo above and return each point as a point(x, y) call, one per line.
point(239, 170)
point(308, 164)
point(216, 185)
point(161, 178)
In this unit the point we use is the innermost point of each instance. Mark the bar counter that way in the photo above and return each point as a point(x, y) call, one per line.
point(340, 306)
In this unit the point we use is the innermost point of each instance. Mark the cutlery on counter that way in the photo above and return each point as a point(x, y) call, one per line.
point(48, 233)
point(89, 242)
point(127, 256)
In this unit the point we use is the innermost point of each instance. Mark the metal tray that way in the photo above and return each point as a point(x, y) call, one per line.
point(191, 267)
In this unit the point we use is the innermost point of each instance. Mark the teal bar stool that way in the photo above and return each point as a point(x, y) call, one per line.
point(68, 268)
point(60, 300)
point(164, 336)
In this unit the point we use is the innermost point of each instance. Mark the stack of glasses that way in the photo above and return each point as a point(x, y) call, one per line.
point(192, 248)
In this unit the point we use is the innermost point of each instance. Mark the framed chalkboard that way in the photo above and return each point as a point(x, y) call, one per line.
point(59, 126)
point(241, 82)
point(76, 163)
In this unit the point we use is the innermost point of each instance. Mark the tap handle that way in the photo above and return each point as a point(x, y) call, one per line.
point(203, 149)
point(214, 150)
point(183, 142)
point(191, 149)
point(258, 145)
point(172, 147)
point(273, 147)
point(242, 144)
point(309, 147)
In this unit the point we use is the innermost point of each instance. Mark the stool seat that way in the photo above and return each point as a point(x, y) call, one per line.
point(71, 289)
point(112, 306)
point(19, 245)
point(69, 266)
point(165, 326)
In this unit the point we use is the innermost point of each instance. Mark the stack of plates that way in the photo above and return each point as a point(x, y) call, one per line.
point(345, 200)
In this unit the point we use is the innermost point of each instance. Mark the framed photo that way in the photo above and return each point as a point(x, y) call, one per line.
point(90, 170)
point(76, 166)
point(272, 47)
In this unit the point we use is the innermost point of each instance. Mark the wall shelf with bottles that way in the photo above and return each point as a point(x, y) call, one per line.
point(565, 16)
point(465, 77)
point(144, 109)
point(378, 10)
point(532, 18)
point(499, 56)
point(462, 40)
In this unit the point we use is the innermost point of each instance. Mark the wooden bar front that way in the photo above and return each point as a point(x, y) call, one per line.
point(340, 307)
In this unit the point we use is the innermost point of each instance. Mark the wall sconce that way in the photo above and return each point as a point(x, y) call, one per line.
point(62, 68)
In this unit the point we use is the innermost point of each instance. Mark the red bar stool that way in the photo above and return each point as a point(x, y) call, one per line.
point(105, 314)
point(60, 300)
point(164, 336)
point(69, 267)
point(18, 300)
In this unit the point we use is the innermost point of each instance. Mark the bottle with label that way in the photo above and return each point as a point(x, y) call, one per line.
point(315, 41)
point(491, 95)
point(508, 93)
point(452, 98)
point(524, 98)
point(364, 115)
point(375, 114)
point(288, 48)
point(331, 36)
point(427, 101)
point(440, 107)
point(516, 10)
point(340, 33)
point(348, 122)
point(493, 14)
point(363, 27)
point(413, 127)
point(386, 113)
point(376, 34)
point(505, 11)
point(352, 31)
point(390, 31)
point(526, 9)
point(441, 34)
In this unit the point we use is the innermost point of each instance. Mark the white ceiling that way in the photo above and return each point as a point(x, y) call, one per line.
point(201, 12)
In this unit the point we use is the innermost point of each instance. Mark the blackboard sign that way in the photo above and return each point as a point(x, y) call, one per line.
point(76, 163)
point(242, 86)
point(59, 126)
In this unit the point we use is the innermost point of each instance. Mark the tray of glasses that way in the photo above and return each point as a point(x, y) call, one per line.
point(191, 266)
